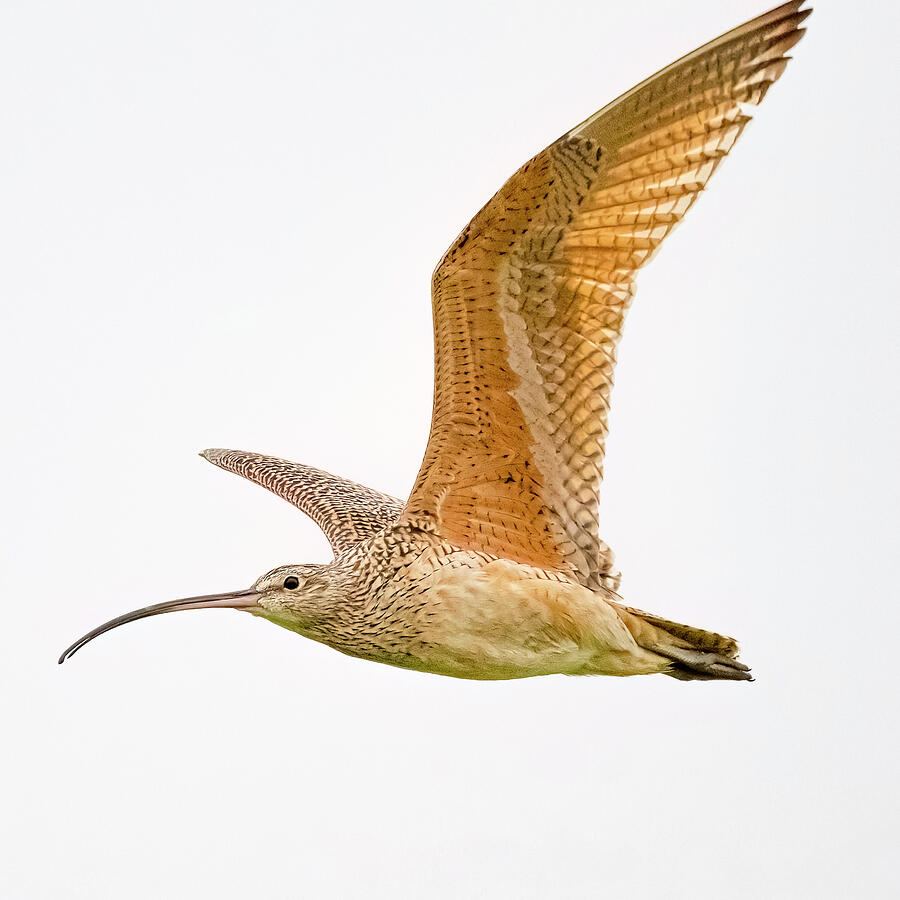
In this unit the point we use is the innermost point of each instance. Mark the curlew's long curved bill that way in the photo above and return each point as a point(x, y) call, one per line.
point(231, 600)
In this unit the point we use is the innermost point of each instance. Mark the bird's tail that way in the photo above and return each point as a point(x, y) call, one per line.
point(694, 654)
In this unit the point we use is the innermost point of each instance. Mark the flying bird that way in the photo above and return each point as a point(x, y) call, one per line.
point(494, 568)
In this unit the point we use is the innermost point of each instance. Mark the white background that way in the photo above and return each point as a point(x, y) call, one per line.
point(219, 222)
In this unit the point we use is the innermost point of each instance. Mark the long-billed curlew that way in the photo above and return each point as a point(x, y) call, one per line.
point(494, 568)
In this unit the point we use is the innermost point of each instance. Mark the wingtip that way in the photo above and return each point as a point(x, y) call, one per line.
point(798, 14)
point(213, 454)
point(788, 13)
point(791, 6)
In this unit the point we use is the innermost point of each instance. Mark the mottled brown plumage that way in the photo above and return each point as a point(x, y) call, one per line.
point(346, 512)
point(494, 567)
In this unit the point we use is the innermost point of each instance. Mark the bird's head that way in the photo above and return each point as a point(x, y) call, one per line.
point(296, 597)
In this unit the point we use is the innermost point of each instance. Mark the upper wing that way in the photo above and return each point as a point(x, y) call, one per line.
point(529, 301)
point(345, 511)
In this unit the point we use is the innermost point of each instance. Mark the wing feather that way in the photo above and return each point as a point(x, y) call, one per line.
point(529, 303)
point(347, 512)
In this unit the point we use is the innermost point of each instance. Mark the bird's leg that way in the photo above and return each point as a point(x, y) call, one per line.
point(699, 665)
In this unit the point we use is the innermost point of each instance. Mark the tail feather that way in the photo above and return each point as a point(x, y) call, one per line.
point(695, 654)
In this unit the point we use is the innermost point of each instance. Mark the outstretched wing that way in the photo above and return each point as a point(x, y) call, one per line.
point(529, 301)
point(345, 511)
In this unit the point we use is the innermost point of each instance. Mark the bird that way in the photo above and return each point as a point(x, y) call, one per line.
point(493, 568)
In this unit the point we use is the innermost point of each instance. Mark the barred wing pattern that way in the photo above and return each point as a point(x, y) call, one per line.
point(529, 301)
point(346, 512)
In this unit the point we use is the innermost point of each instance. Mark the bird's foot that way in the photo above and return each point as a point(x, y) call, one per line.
point(699, 665)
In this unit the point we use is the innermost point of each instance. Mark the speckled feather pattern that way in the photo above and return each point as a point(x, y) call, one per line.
point(346, 512)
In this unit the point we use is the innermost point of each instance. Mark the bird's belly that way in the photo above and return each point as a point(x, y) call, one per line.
point(504, 620)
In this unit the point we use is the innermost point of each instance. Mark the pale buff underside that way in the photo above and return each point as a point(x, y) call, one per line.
point(483, 619)
point(506, 620)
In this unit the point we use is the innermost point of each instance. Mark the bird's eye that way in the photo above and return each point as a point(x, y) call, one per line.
point(291, 583)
